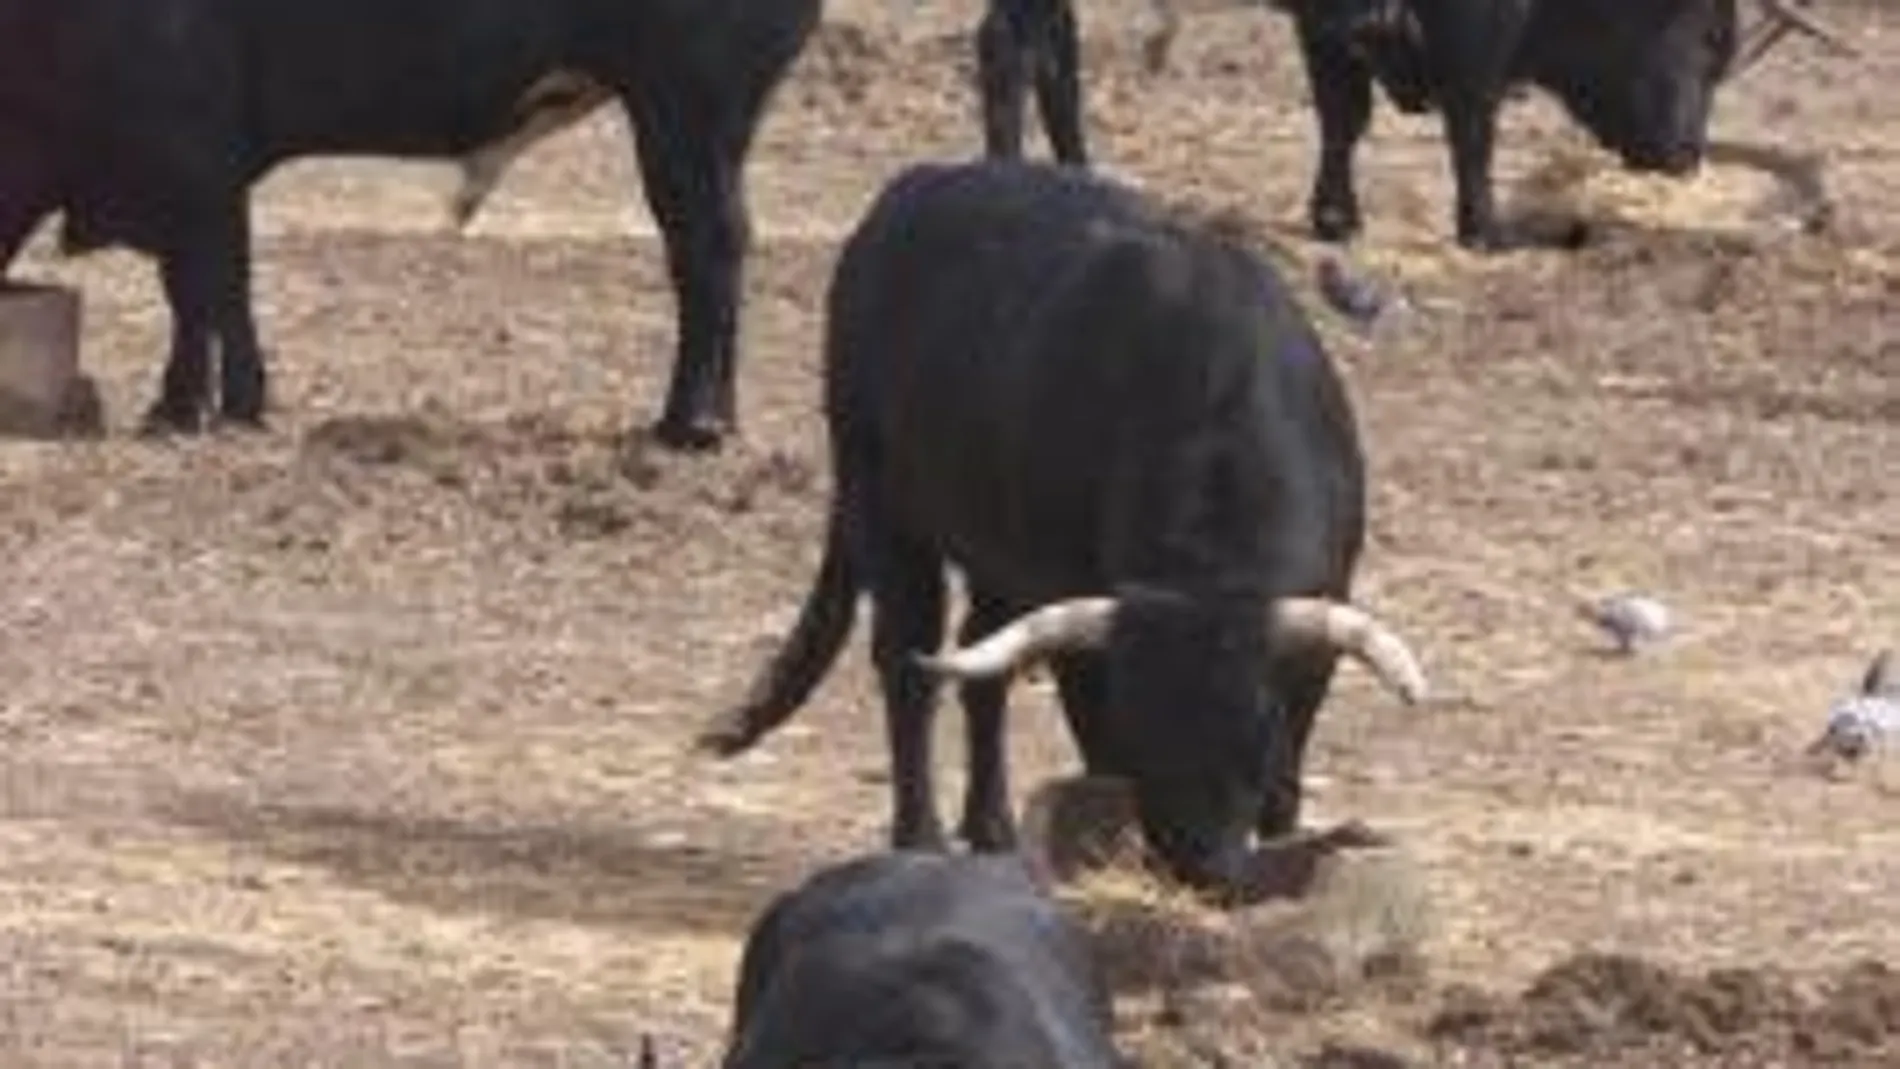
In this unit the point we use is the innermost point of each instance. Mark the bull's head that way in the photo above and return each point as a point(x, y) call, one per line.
point(1200, 691)
point(1642, 77)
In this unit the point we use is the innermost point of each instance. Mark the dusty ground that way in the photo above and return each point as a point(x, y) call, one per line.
point(363, 742)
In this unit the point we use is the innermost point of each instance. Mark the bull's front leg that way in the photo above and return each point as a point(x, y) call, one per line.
point(1342, 95)
point(1470, 129)
point(691, 154)
point(907, 596)
point(987, 823)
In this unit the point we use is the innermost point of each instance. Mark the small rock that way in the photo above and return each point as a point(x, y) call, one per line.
point(1357, 296)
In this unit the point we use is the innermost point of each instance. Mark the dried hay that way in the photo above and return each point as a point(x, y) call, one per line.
point(1363, 914)
point(1740, 188)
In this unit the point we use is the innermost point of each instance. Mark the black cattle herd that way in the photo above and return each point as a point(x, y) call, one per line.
point(1121, 429)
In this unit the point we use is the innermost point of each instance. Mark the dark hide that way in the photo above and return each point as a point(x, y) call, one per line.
point(1035, 377)
point(1025, 42)
point(147, 122)
point(1640, 77)
point(919, 961)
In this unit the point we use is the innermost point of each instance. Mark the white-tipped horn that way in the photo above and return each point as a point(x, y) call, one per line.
point(1079, 623)
point(1358, 634)
point(1778, 18)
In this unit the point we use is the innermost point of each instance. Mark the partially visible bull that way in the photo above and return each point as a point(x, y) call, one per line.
point(1639, 76)
point(1020, 44)
point(145, 123)
point(920, 961)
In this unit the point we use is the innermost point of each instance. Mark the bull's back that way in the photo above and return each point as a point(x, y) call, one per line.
point(977, 354)
point(1040, 376)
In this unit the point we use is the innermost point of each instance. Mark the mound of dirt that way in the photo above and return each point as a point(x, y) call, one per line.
point(593, 483)
point(1594, 1007)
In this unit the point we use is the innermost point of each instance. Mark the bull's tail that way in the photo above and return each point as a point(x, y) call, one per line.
point(824, 622)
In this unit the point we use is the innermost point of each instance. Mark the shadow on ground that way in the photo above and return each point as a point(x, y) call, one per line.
point(607, 877)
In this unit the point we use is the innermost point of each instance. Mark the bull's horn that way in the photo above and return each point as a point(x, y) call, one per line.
point(1357, 633)
point(1078, 623)
point(1780, 16)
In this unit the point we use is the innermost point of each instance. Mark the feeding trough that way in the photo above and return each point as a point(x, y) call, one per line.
point(1356, 907)
point(42, 392)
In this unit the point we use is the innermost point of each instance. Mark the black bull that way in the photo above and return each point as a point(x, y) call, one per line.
point(919, 961)
point(1127, 436)
point(1640, 77)
point(147, 121)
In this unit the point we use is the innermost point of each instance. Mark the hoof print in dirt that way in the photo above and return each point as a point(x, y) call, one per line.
point(1356, 908)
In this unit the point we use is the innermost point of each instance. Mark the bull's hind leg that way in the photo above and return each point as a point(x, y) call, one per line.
point(206, 273)
point(907, 592)
point(240, 358)
point(692, 148)
point(987, 822)
point(1002, 81)
point(1059, 87)
point(1305, 685)
point(1342, 95)
point(190, 283)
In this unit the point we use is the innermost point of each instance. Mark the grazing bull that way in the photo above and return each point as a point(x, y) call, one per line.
point(1640, 77)
point(147, 121)
point(1126, 435)
point(920, 961)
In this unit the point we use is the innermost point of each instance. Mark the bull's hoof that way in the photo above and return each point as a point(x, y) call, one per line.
point(995, 834)
point(165, 419)
point(1335, 224)
point(245, 421)
point(1355, 835)
point(1488, 239)
point(693, 434)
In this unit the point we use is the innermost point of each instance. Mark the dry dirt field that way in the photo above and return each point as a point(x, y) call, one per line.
point(364, 742)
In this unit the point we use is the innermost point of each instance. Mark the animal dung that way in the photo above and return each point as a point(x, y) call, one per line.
point(42, 393)
point(1363, 913)
point(1740, 187)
